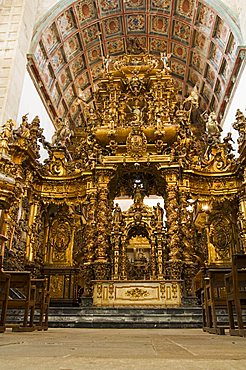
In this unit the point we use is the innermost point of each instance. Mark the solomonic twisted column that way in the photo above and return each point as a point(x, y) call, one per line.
point(90, 228)
point(90, 242)
point(101, 263)
point(173, 234)
point(102, 226)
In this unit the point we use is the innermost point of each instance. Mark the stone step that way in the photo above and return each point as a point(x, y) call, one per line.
point(99, 317)
point(184, 317)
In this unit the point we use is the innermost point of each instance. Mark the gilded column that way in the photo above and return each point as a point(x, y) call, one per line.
point(187, 242)
point(90, 235)
point(153, 258)
point(3, 238)
point(11, 217)
point(103, 216)
point(90, 232)
point(159, 256)
point(159, 240)
point(242, 221)
point(116, 258)
point(34, 207)
point(102, 226)
point(173, 227)
point(123, 274)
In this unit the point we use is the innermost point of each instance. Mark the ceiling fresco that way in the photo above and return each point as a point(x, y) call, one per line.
point(66, 55)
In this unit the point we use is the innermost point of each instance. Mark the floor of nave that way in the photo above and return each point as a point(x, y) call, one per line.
point(82, 349)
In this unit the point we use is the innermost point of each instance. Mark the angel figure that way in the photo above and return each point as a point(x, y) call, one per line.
point(213, 128)
point(193, 98)
point(63, 133)
point(106, 61)
point(227, 143)
point(24, 129)
point(165, 58)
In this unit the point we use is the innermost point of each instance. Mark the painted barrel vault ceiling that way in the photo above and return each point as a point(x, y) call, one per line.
point(65, 59)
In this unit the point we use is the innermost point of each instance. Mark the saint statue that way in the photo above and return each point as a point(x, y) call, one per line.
point(117, 214)
point(138, 196)
point(6, 132)
point(159, 212)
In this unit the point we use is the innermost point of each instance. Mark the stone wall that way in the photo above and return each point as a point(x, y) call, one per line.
point(17, 19)
point(238, 7)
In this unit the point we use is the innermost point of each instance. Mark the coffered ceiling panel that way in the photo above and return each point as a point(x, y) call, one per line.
point(66, 55)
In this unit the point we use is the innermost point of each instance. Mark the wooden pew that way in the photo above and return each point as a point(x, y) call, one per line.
point(214, 299)
point(42, 303)
point(198, 289)
point(236, 294)
point(21, 282)
point(4, 295)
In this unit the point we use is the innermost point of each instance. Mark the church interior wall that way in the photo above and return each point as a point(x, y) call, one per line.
point(17, 20)
point(71, 226)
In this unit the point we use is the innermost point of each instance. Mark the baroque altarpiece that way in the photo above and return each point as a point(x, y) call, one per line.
point(62, 218)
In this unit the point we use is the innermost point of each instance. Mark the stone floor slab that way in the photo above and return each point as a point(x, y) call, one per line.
point(72, 349)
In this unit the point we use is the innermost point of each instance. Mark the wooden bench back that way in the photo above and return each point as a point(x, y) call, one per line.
point(4, 286)
point(215, 285)
point(20, 280)
point(236, 280)
point(41, 289)
point(238, 262)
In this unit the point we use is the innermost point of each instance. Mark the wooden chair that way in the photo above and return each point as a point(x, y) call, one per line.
point(42, 303)
point(235, 283)
point(214, 299)
point(22, 296)
point(4, 295)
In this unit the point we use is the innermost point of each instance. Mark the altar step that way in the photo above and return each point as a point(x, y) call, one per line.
point(148, 318)
point(94, 317)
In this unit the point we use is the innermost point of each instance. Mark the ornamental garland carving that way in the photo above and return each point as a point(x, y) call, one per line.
point(137, 293)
